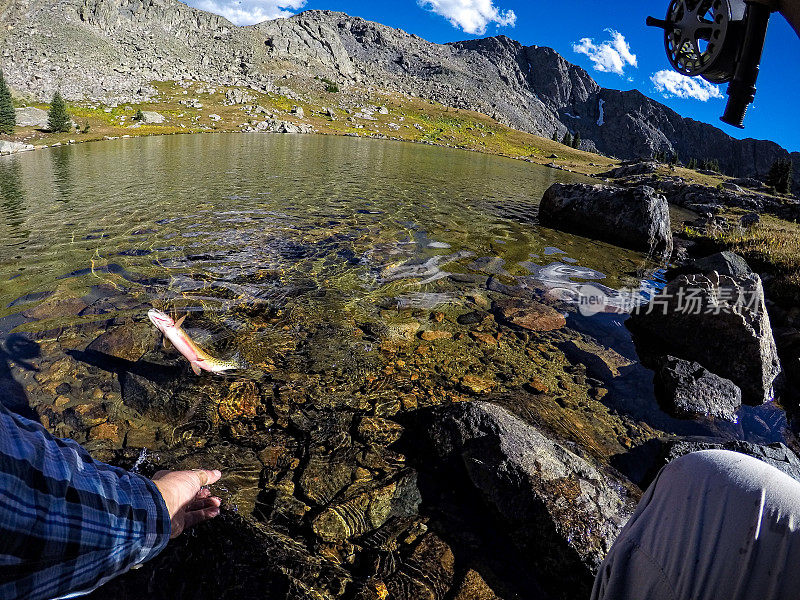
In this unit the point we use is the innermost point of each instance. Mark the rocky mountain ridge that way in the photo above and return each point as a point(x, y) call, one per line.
point(113, 49)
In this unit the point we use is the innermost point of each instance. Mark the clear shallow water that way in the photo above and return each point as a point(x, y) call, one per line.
point(264, 239)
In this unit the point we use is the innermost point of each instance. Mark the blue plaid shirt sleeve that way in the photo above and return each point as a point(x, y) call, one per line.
point(69, 523)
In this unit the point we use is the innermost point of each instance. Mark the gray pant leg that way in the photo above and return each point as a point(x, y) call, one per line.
point(715, 524)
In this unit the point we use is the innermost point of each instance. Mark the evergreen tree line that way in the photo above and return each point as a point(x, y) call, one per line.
point(705, 164)
point(569, 139)
point(781, 175)
point(8, 118)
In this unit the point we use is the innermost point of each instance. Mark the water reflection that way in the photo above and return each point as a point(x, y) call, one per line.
point(63, 172)
point(12, 200)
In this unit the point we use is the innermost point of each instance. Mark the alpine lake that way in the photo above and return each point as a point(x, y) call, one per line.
point(355, 281)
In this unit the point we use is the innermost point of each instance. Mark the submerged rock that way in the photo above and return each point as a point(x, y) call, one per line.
point(368, 510)
point(719, 321)
point(636, 218)
point(561, 512)
point(528, 314)
point(685, 389)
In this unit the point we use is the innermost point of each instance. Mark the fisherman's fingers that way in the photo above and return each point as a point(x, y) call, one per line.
point(203, 503)
point(193, 517)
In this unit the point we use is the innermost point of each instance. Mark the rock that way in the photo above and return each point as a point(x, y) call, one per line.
point(777, 454)
point(601, 362)
point(214, 117)
point(685, 389)
point(561, 512)
point(380, 431)
point(528, 314)
point(718, 321)
point(724, 263)
point(278, 126)
point(128, 342)
point(31, 116)
point(152, 117)
point(473, 587)
point(750, 219)
point(477, 385)
point(241, 402)
point(299, 112)
point(382, 110)
point(635, 218)
point(431, 335)
point(471, 318)
point(368, 510)
point(485, 338)
point(105, 431)
point(14, 147)
point(749, 182)
point(631, 168)
point(237, 96)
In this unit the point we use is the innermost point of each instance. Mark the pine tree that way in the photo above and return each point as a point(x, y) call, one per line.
point(781, 174)
point(139, 116)
point(675, 159)
point(555, 136)
point(576, 141)
point(58, 118)
point(692, 163)
point(8, 118)
point(567, 139)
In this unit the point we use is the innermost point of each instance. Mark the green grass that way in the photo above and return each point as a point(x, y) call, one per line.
point(771, 247)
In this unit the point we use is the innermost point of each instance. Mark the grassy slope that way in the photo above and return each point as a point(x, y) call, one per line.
point(771, 247)
point(418, 121)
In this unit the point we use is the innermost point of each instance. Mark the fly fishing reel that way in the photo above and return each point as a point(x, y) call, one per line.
point(721, 41)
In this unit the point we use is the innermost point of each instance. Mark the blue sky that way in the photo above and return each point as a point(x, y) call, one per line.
point(608, 39)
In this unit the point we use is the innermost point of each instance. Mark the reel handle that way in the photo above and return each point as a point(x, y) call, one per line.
point(660, 23)
point(742, 89)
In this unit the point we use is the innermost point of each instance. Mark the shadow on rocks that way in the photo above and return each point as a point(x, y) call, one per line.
point(518, 504)
point(20, 350)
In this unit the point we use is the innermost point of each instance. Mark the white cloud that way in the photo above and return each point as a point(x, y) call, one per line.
point(672, 83)
point(611, 56)
point(249, 12)
point(470, 15)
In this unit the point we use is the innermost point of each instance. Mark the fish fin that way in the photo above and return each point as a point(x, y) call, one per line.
point(196, 368)
point(180, 321)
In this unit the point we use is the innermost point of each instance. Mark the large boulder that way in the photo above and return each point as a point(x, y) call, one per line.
point(7, 147)
point(725, 263)
point(685, 389)
point(777, 455)
point(30, 116)
point(152, 117)
point(718, 321)
point(561, 512)
point(636, 218)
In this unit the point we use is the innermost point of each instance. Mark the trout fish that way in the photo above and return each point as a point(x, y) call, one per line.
point(197, 357)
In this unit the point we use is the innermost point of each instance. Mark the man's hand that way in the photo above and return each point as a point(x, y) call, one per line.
point(188, 500)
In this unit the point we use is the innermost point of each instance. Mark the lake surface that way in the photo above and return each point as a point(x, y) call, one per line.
point(355, 278)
